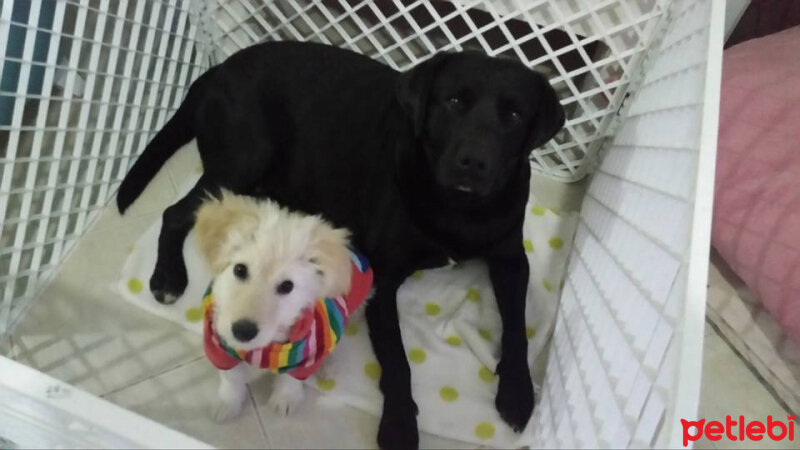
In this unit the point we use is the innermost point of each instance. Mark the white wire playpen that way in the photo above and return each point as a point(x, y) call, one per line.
point(86, 83)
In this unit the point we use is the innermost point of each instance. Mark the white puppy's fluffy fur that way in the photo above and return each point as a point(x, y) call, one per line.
point(275, 246)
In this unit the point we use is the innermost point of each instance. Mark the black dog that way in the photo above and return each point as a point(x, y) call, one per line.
point(421, 166)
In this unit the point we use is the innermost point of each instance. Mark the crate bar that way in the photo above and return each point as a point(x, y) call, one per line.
point(13, 143)
point(687, 389)
point(83, 120)
point(127, 73)
point(94, 61)
point(44, 109)
point(139, 93)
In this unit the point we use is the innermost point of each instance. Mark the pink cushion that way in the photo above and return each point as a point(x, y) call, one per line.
point(757, 205)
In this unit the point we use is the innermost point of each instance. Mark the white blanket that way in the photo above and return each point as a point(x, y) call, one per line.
point(449, 320)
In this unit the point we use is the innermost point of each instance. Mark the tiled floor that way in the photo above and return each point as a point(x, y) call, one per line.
point(5, 345)
point(81, 334)
point(730, 388)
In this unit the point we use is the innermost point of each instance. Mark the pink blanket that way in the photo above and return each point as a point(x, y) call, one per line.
point(757, 205)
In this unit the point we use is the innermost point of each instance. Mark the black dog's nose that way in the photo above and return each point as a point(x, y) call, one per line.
point(244, 330)
point(471, 162)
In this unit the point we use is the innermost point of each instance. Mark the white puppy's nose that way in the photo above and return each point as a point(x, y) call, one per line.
point(244, 330)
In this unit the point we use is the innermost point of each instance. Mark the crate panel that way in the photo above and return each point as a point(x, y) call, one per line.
point(589, 49)
point(84, 85)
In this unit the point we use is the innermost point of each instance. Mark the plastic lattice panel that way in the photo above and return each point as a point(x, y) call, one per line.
point(589, 49)
point(84, 86)
point(613, 373)
point(85, 83)
point(37, 411)
point(37, 425)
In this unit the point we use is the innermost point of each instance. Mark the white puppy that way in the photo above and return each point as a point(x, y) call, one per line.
point(272, 268)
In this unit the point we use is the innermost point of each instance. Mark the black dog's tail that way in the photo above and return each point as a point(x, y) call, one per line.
point(179, 130)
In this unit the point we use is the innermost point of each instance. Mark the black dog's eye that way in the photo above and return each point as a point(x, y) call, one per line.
point(510, 111)
point(285, 287)
point(455, 101)
point(240, 271)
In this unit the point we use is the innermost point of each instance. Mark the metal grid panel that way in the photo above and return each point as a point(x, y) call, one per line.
point(589, 49)
point(84, 86)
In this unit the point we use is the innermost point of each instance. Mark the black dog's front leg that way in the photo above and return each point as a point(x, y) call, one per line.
point(398, 427)
point(514, 399)
point(169, 277)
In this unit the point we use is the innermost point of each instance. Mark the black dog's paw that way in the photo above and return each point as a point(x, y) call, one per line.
point(515, 397)
point(167, 285)
point(398, 428)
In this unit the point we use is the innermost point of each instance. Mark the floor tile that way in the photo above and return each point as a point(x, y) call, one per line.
point(731, 384)
point(185, 399)
point(6, 346)
point(330, 422)
point(335, 425)
point(157, 196)
point(744, 324)
point(730, 388)
point(184, 164)
point(80, 331)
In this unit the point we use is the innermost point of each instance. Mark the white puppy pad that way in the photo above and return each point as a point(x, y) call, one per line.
point(449, 320)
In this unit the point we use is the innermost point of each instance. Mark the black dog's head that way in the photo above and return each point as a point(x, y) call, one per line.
point(478, 118)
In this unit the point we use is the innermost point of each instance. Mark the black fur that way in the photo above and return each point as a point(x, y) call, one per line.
point(421, 166)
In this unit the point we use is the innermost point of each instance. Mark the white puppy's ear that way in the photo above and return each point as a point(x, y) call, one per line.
point(330, 254)
point(222, 225)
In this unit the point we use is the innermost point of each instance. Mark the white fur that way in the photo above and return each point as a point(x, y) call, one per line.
point(287, 394)
point(275, 245)
point(233, 391)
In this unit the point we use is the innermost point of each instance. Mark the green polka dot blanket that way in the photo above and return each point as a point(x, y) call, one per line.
point(449, 321)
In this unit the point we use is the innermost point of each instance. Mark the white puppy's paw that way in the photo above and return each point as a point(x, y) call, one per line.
point(225, 412)
point(287, 394)
point(232, 393)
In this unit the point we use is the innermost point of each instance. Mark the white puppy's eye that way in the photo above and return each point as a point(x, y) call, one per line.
point(240, 271)
point(285, 287)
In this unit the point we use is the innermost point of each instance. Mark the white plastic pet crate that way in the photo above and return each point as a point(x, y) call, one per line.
point(37, 411)
point(85, 84)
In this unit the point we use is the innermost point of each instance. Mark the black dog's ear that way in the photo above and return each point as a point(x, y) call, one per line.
point(549, 117)
point(413, 87)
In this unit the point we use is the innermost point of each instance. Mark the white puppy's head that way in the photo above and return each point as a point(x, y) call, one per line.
point(269, 264)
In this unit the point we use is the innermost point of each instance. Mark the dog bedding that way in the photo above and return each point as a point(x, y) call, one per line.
point(448, 318)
